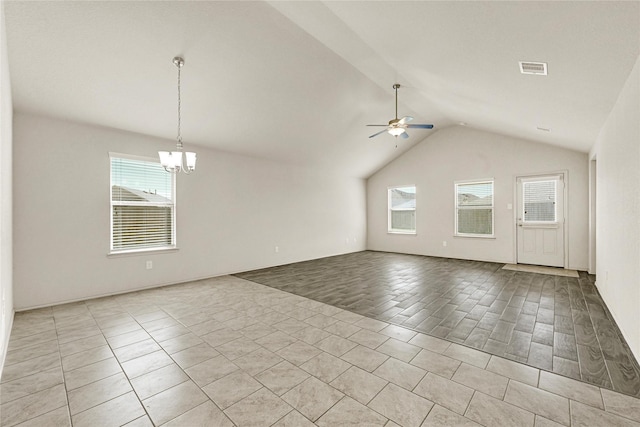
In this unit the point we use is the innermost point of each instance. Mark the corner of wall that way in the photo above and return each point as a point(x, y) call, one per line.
point(615, 210)
point(6, 196)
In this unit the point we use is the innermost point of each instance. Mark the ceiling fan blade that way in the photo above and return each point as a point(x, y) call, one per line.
point(399, 125)
point(376, 134)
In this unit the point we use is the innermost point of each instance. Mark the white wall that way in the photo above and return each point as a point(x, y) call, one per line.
point(460, 153)
point(6, 261)
point(230, 214)
point(617, 154)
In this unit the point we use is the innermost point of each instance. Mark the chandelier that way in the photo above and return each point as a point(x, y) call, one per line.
point(171, 161)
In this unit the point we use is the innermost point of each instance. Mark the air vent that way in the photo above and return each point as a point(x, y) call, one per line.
point(539, 68)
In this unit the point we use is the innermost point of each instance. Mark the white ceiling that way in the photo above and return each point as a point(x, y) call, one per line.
point(297, 82)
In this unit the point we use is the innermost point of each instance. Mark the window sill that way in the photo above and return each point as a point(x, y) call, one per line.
point(138, 252)
point(407, 233)
point(474, 236)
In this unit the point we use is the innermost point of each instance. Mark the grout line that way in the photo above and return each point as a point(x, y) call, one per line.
point(464, 414)
point(122, 369)
point(595, 332)
point(64, 380)
point(161, 348)
point(557, 279)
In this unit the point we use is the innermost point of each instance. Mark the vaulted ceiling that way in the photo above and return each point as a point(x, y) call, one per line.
point(297, 82)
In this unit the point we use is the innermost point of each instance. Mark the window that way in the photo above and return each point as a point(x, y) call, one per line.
point(539, 201)
point(474, 209)
point(402, 209)
point(142, 205)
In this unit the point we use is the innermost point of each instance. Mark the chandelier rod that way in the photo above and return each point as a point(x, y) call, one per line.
point(179, 62)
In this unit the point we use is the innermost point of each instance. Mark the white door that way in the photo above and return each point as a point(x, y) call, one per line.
point(540, 220)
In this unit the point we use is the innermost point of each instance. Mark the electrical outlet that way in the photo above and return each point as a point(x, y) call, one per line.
point(276, 249)
point(149, 265)
point(444, 243)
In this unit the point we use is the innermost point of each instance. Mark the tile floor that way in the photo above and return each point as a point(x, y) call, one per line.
point(558, 324)
point(227, 351)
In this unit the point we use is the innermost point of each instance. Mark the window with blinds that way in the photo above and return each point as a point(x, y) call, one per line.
point(474, 209)
point(142, 204)
point(539, 201)
point(402, 210)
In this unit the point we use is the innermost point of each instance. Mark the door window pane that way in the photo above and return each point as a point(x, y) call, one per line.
point(540, 201)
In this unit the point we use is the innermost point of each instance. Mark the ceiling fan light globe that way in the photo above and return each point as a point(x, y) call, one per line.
point(396, 131)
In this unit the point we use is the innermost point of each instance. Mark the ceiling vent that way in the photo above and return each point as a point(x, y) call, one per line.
point(539, 68)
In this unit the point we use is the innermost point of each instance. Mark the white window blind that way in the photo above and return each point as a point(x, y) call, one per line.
point(402, 209)
point(142, 205)
point(539, 201)
point(474, 209)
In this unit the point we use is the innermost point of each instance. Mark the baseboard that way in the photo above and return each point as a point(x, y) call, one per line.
point(492, 260)
point(618, 323)
point(110, 294)
point(161, 285)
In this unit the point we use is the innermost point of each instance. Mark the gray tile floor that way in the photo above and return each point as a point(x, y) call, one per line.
point(558, 324)
point(227, 351)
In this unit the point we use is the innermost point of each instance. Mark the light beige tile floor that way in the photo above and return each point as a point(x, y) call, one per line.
point(225, 351)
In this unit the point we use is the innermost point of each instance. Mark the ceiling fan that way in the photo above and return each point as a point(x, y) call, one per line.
point(398, 127)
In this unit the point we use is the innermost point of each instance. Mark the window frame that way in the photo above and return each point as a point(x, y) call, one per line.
point(389, 210)
point(141, 250)
point(491, 181)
